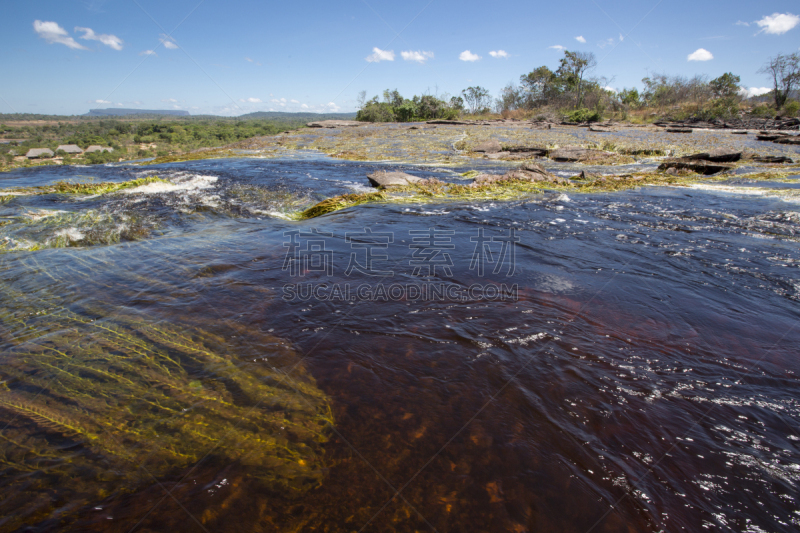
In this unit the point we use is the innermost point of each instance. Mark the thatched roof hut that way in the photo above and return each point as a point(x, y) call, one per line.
point(33, 153)
point(70, 148)
point(96, 148)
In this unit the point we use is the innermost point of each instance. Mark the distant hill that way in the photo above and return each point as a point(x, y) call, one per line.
point(310, 117)
point(116, 112)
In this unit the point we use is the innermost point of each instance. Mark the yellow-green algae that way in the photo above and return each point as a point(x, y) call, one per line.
point(517, 189)
point(104, 404)
point(90, 188)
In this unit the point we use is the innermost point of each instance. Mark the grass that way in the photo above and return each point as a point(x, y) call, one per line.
point(67, 187)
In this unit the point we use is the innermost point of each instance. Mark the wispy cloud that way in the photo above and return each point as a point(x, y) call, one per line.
point(99, 102)
point(251, 100)
point(294, 101)
point(498, 53)
point(466, 55)
point(741, 23)
point(112, 41)
point(168, 42)
point(580, 39)
point(252, 61)
point(378, 55)
point(701, 54)
point(778, 23)
point(556, 47)
point(418, 56)
point(621, 37)
point(170, 100)
point(607, 42)
point(53, 33)
point(304, 106)
point(333, 107)
point(148, 53)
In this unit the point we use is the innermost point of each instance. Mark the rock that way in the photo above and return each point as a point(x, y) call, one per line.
point(383, 178)
point(575, 153)
point(767, 136)
point(526, 172)
point(541, 126)
point(678, 130)
point(488, 147)
point(335, 124)
point(772, 159)
point(451, 122)
point(788, 140)
point(498, 155)
point(717, 155)
point(739, 132)
point(600, 129)
point(701, 167)
point(531, 150)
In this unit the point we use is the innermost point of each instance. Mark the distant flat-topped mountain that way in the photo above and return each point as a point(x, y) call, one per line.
point(115, 112)
point(300, 116)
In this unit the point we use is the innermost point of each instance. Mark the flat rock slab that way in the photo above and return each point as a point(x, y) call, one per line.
point(488, 147)
point(533, 150)
point(572, 154)
point(701, 167)
point(788, 140)
point(764, 136)
point(526, 172)
point(772, 159)
point(717, 155)
point(679, 130)
point(335, 124)
point(739, 132)
point(602, 129)
point(383, 178)
point(541, 126)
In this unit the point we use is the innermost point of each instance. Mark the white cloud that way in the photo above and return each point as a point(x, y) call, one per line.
point(119, 103)
point(621, 37)
point(251, 100)
point(701, 54)
point(283, 100)
point(556, 47)
point(99, 102)
point(304, 106)
point(610, 88)
point(53, 33)
point(749, 92)
point(137, 102)
point(740, 23)
point(380, 55)
point(168, 42)
point(498, 53)
point(333, 107)
point(580, 39)
point(275, 100)
point(171, 100)
point(148, 53)
point(111, 41)
point(248, 59)
point(607, 42)
point(294, 101)
point(466, 55)
point(778, 23)
point(418, 56)
point(283, 104)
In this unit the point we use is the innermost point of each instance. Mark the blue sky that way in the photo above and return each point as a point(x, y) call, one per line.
point(239, 56)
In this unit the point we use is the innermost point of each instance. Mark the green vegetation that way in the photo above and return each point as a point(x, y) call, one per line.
point(130, 137)
point(784, 71)
point(66, 187)
point(584, 115)
point(106, 404)
point(396, 108)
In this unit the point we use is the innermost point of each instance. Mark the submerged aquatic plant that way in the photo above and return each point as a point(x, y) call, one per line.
point(107, 403)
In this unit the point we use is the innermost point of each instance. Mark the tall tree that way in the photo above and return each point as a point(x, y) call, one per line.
point(726, 86)
point(785, 73)
point(477, 98)
point(573, 69)
point(541, 84)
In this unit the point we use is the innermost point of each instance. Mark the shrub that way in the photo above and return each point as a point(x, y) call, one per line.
point(584, 115)
point(791, 108)
point(762, 111)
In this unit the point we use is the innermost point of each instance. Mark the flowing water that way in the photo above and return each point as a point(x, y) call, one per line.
point(185, 356)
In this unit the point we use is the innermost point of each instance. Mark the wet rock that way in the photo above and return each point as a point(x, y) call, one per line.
point(767, 136)
point(383, 178)
point(794, 140)
point(739, 132)
point(701, 167)
point(772, 159)
point(717, 155)
point(488, 147)
point(335, 124)
point(533, 151)
point(678, 130)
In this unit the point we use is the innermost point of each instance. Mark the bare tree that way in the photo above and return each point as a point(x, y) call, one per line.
point(785, 73)
point(361, 99)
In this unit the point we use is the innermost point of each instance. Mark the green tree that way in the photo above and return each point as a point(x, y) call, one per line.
point(726, 86)
point(477, 98)
point(785, 73)
point(573, 68)
point(541, 85)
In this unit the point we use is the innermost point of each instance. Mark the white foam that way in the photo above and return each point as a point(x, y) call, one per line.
point(72, 234)
point(193, 183)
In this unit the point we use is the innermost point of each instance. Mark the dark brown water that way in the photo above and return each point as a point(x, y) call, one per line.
point(644, 379)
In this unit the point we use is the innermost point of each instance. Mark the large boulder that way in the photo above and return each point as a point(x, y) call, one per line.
point(383, 178)
point(488, 147)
